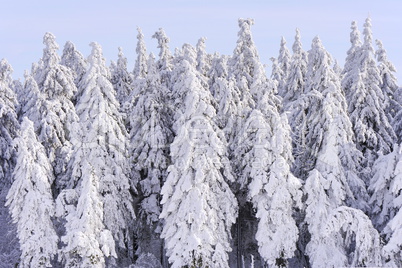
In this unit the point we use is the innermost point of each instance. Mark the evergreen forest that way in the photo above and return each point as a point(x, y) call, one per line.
point(200, 160)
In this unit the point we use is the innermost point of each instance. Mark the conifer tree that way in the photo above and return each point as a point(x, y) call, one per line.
point(203, 59)
point(141, 64)
point(35, 102)
point(272, 189)
point(17, 87)
point(250, 85)
point(248, 73)
point(351, 69)
point(283, 62)
point(332, 179)
point(389, 87)
point(203, 63)
point(277, 73)
point(150, 157)
point(244, 65)
point(9, 130)
point(198, 206)
point(297, 75)
point(9, 126)
point(137, 80)
point(75, 61)
point(56, 83)
point(165, 65)
point(121, 79)
point(332, 113)
point(101, 146)
point(346, 239)
point(30, 200)
point(386, 188)
point(164, 62)
point(337, 69)
point(373, 132)
point(223, 90)
point(87, 241)
point(295, 103)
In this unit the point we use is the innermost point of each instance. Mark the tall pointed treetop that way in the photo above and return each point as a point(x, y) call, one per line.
point(121, 79)
point(6, 93)
point(297, 45)
point(164, 53)
point(355, 35)
point(281, 67)
point(30, 200)
point(54, 80)
point(351, 68)
point(203, 63)
point(97, 60)
point(50, 56)
point(297, 75)
point(245, 54)
point(389, 86)
point(140, 68)
point(368, 35)
point(74, 60)
point(284, 56)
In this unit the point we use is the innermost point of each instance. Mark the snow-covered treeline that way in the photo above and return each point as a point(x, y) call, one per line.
point(202, 160)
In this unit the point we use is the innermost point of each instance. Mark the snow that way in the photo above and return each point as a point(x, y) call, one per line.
point(199, 159)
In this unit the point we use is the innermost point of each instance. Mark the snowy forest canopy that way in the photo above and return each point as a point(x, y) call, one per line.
point(202, 160)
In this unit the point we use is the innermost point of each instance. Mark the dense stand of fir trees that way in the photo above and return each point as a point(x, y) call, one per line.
point(200, 160)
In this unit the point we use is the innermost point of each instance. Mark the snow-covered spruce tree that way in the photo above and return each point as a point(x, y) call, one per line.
point(386, 188)
point(100, 144)
point(56, 83)
point(223, 91)
point(327, 190)
point(45, 118)
point(277, 73)
point(346, 237)
point(141, 64)
point(337, 69)
point(393, 230)
point(245, 66)
point(137, 79)
point(373, 132)
point(294, 102)
point(149, 153)
point(283, 62)
point(351, 68)
point(35, 103)
point(165, 65)
point(203, 63)
point(17, 87)
point(87, 241)
point(332, 179)
point(389, 86)
point(250, 84)
point(198, 205)
point(274, 192)
point(296, 75)
point(30, 200)
point(75, 61)
point(9, 126)
point(248, 73)
point(327, 124)
point(121, 79)
point(164, 62)
point(386, 173)
point(203, 59)
point(9, 130)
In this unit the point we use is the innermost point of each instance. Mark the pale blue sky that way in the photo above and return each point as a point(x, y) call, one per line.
point(113, 24)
